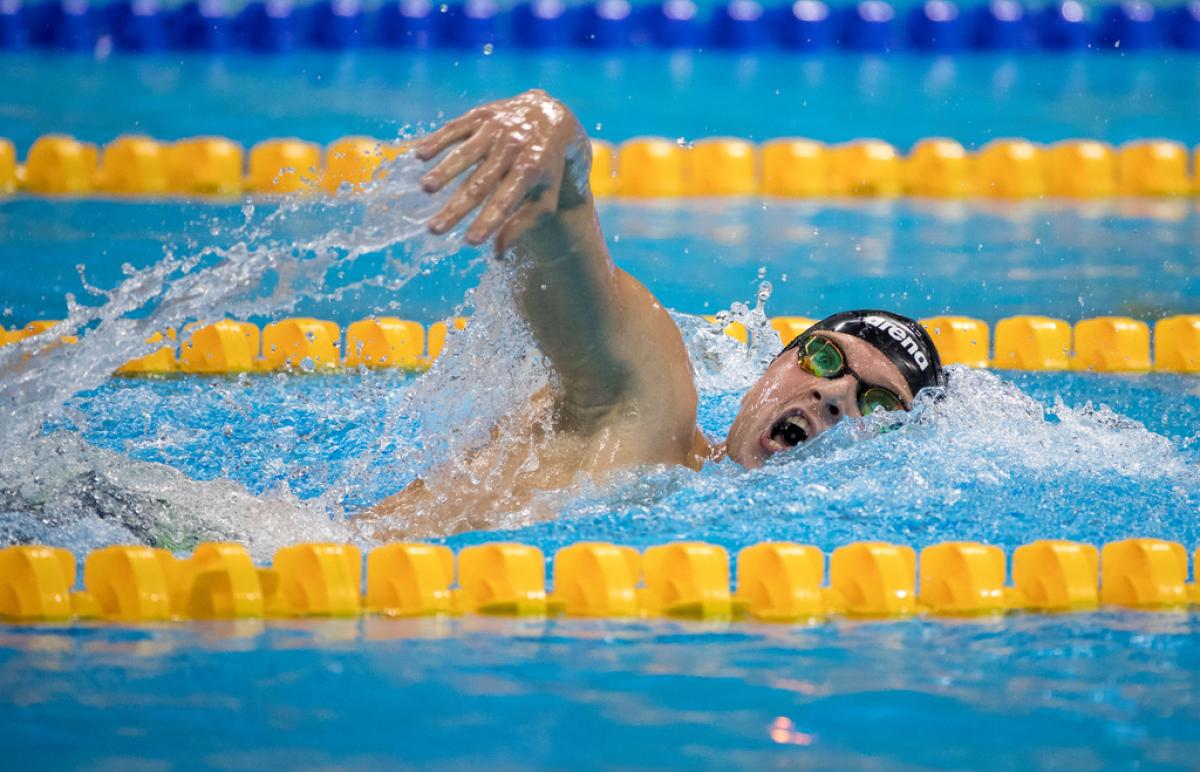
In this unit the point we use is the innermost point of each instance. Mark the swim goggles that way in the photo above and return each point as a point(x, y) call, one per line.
point(823, 358)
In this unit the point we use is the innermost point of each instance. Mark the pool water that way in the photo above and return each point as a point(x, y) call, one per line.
point(922, 258)
point(830, 96)
point(1077, 692)
point(270, 460)
point(1005, 473)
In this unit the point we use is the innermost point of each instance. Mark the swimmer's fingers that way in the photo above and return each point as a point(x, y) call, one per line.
point(472, 192)
point(532, 212)
point(453, 131)
point(457, 161)
point(512, 191)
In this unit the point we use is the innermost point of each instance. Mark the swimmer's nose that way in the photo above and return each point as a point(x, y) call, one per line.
point(835, 399)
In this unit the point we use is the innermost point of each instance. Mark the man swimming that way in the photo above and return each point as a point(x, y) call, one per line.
point(624, 392)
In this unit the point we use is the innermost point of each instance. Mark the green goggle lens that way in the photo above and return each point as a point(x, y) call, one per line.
point(822, 357)
point(875, 398)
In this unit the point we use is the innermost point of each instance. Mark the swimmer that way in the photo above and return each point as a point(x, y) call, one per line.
point(625, 395)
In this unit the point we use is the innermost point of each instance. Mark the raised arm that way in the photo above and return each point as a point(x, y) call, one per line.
point(530, 161)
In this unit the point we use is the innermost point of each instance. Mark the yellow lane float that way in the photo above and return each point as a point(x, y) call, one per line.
point(301, 344)
point(651, 167)
point(723, 167)
point(1056, 575)
point(1108, 344)
point(938, 168)
point(221, 347)
point(864, 167)
point(1010, 168)
point(794, 168)
point(604, 164)
point(1112, 344)
point(775, 581)
point(781, 582)
point(59, 165)
point(8, 167)
point(1144, 573)
point(283, 166)
point(133, 165)
point(642, 167)
point(1032, 343)
point(205, 166)
point(960, 340)
point(1153, 167)
point(1177, 344)
point(384, 342)
point(1081, 168)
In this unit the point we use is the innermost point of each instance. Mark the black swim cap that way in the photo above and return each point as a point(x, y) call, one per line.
point(902, 340)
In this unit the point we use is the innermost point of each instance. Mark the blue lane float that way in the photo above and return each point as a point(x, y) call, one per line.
point(805, 25)
point(606, 24)
point(739, 24)
point(672, 24)
point(273, 26)
point(65, 25)
point(937, 26)
point(473, 24)
point(868, 26)
point(542, 24)
point(871, 26)
point(1000, 25)
point(14, 30)
point(1065, 26)
point(406, 24)
point(201, 25)
point(1183, 26)
point(336, 25)
point(136, 25)
point(1129, 26)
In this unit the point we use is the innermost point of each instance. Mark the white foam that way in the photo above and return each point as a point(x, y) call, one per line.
point(984, 438)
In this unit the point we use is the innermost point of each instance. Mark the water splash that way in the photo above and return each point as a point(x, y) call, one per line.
point(986, 462)
point(720, 362)
point(276, 257)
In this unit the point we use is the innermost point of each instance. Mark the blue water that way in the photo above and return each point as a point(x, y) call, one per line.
point(1080, 692)
point(832, 96)
point(921, 258)
point(309, 434)
point(1054, 455)
point(1003, 459)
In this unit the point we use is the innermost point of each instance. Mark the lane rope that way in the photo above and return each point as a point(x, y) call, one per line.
point(938, 27)
point(775, 581)
point(641, 168)
point(1107, 344)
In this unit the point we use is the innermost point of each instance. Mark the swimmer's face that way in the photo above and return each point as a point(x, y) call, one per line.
point(789, 405)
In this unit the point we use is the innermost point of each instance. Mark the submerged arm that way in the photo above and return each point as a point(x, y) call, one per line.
point(531, 162)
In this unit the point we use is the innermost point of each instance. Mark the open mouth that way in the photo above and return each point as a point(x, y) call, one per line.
point(788, 432)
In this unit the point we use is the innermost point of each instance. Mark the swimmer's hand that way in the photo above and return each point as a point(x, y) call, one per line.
point(531, 158)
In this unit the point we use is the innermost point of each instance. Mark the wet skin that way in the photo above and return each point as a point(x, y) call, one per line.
point(786, 390)
point(626, 395)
